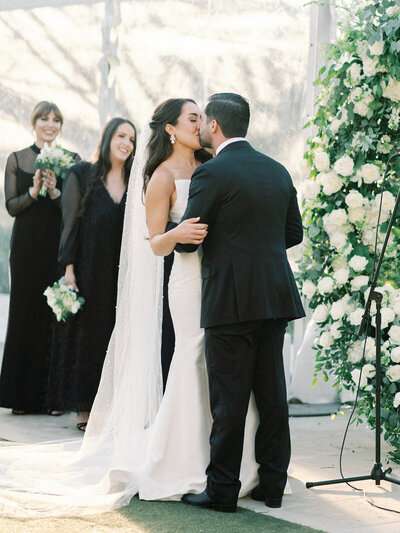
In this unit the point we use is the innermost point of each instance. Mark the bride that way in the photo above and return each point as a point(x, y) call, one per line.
point(138, 442)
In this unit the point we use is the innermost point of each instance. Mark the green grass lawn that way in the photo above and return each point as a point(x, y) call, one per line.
point(157, 517)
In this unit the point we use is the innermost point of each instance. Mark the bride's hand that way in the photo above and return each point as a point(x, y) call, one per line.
point(190, 231)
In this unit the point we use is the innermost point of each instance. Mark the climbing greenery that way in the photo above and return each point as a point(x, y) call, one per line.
point(355, 131)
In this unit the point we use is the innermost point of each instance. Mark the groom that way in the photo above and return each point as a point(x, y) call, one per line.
point(248, 295)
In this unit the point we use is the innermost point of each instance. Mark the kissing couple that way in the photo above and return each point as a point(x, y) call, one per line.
point(221, 429)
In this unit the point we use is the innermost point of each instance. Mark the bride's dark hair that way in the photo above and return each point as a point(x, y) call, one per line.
point(159, 146)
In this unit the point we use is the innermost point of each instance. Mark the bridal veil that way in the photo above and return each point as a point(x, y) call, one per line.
point(94, 475)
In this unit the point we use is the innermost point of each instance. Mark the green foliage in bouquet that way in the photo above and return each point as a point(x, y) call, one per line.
point(356, 129)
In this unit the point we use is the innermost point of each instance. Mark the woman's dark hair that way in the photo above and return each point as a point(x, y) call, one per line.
point(231, 111)
point(102, 164)
point(44, 108)
point(160, 147)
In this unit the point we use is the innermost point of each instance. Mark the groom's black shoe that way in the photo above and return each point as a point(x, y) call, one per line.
point(259, 495)
point(204, 501)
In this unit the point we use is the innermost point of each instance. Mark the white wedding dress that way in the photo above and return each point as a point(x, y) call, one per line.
point(132, 445)
point(179, 450)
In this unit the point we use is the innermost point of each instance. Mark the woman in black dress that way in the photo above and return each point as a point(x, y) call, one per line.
point(93, 207)
point(33, 266)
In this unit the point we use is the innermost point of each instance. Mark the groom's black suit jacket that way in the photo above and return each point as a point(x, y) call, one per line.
point(249, 203)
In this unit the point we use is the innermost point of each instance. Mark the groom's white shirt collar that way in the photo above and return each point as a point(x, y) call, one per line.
point(228, 141)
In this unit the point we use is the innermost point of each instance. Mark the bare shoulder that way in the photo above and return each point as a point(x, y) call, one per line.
point(161, 180)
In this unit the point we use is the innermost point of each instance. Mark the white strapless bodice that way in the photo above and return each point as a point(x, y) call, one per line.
point(179, 207)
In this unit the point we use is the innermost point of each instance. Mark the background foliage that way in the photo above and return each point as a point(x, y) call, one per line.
point(357, 129)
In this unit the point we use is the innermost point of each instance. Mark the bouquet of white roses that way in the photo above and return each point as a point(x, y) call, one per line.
point(53, 157)
point(63, 300)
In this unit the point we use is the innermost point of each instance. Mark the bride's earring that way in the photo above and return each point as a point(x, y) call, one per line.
point(172, 139)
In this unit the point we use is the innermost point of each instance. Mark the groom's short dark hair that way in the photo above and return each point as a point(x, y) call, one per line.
point(231, 111)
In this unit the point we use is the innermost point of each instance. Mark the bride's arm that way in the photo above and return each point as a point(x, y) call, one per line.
point(158, 201)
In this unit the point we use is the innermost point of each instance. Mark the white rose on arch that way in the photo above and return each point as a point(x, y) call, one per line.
point(395, 355)
point(396, 307)
point(394, 334)
point(388, 315)
point(339, 262)
point(396, 401)
point(368, 237)
point(356, 316)
point(355, 352)
point(308, 289)
point(371, 66)
point(393, 11)
point(388, 201)
point(354, 199)
point(344, 166)
point(321, 313)
point(336, 334)
point(384, 145)
point(340, 308)
point(354, 72)
point(341, 276)
point(370, 349)
point(393, 373)
point(391, 89)
point(330, 182)
point(358, 282)
point(361, 108)
point(358, 263)
point(321, 160)
point(376, 49)
point(368, 371)
point(325, 340)
point(336, 218)
point(338, 240)
point(370, 173)
point(356, 214)
point(325, 285)
point(310, 189)
point(335, 125)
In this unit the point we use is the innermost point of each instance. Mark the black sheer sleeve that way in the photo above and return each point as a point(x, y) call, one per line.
point(15, 203)
point(70, 207)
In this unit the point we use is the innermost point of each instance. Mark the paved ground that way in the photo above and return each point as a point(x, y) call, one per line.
point(316, 446)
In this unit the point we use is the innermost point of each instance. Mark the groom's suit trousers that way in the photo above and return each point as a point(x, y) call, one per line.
point(240, 358)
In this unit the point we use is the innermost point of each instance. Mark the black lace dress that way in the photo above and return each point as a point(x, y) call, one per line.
point(33, 266)
point(91, 242)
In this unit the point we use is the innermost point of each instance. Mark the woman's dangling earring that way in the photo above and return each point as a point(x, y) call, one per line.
point(172, 139)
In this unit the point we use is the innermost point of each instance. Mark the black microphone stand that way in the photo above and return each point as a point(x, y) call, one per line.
point(377, 474)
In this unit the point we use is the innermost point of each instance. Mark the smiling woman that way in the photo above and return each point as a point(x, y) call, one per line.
point(33, 266)
point(93, 208)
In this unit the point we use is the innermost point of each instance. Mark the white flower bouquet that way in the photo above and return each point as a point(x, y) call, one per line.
point(63, 300)
point(53, 157)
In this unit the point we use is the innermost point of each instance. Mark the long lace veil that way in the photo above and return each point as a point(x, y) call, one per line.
point(103, 472)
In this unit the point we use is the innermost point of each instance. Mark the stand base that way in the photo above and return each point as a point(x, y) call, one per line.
point(377, 475)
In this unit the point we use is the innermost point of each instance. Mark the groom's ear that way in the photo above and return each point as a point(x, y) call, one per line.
point(214, 126)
